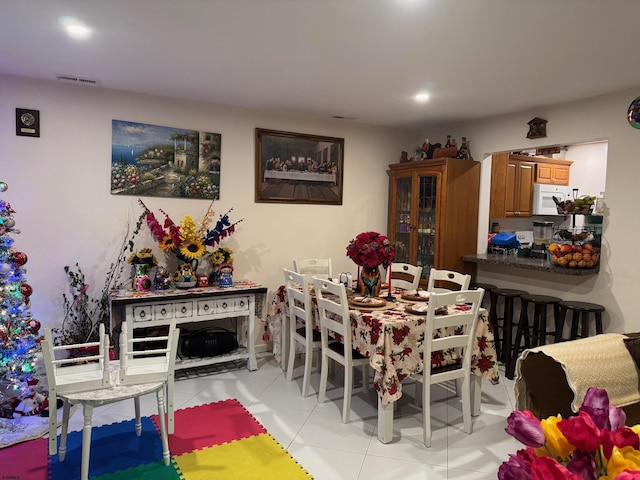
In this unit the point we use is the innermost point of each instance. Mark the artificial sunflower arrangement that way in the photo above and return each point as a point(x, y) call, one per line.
point(221, 255)
point(188, 240)
point(143, 257)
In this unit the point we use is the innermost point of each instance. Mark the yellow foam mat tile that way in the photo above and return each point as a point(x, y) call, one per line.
point(259, 457)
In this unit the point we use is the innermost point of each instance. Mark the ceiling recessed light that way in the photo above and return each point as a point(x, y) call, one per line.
point(421, 97)
point(75, 28)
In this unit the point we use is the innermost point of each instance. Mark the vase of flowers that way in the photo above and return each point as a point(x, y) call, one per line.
point(593, 445)
point(370, 250)
point(142, 262)
point(188, 240)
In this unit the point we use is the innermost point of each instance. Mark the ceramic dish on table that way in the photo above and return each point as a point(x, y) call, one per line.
point(421, 309)
point(416, 296)
point(367, 302)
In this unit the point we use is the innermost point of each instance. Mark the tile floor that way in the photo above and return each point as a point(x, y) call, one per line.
point(329, 450)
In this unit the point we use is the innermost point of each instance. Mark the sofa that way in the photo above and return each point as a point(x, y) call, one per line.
point(553, 379)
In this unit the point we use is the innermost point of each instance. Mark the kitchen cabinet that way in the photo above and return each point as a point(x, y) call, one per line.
point(553, 172)
point(433, 212)
point(512, 178)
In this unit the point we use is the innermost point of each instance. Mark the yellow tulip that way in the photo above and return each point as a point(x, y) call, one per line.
point(556, 442)
point(622, 459)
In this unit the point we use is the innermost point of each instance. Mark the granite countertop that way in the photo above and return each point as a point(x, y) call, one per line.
point(528, 263)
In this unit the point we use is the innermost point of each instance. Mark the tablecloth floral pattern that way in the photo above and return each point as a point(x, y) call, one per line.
point(393, 341)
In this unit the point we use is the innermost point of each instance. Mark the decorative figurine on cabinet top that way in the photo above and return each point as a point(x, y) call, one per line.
point(226, 275)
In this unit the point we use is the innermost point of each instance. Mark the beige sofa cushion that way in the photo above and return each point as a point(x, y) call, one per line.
point(558, 375)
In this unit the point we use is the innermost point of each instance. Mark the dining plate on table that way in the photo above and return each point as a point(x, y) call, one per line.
point(421, 309)
point(367, 302)
point(415, 296)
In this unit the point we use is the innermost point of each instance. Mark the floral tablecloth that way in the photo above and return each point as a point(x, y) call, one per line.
point(393, 341)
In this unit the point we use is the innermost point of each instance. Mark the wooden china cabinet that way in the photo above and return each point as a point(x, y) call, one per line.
point(433, 213)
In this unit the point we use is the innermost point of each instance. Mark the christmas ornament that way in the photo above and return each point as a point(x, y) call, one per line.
point(5, 268)
point(33, 326)
point(3, 186)
point(19, 258)
point(26, 290)
point(9, 223)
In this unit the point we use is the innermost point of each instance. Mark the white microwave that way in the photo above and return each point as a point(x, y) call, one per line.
point(543, 203)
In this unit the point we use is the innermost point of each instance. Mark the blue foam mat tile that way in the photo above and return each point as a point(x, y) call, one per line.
point(113, 447)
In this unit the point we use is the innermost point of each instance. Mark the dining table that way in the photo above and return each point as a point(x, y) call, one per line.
point(391, 335)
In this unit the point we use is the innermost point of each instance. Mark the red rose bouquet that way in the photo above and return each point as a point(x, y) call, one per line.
point(370, 249)
point(593, 445)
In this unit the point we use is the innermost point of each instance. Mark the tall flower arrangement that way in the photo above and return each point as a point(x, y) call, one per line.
point(370, 249)
point(188, 240)
point(593, 445)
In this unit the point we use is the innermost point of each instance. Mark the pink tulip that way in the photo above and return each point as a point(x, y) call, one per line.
point(525, 427)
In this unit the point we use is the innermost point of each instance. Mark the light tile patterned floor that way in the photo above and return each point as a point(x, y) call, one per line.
point(315, 436)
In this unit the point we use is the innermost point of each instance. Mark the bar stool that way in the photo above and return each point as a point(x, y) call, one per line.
point(580, 314)
point(509, 295)
point(539, 327)
point(488, 291)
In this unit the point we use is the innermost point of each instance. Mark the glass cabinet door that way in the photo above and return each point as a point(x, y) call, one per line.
point(426, 228)
point(402, 228)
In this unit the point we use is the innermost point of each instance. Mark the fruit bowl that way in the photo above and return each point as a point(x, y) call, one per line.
point(579, 206)
point(574, 255)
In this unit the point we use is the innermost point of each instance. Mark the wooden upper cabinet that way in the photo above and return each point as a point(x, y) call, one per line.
point(553, 172)
point(512, 179)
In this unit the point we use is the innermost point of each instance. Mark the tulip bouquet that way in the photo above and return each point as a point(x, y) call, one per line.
point(593, 445)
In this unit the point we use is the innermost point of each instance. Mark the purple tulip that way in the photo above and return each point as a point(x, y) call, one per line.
point(525, 428)
point(583, 464)
point(514, 469)
point(617, 417)
point(596, 405)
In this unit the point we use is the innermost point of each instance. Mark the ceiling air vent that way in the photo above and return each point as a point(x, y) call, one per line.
point(76, 79)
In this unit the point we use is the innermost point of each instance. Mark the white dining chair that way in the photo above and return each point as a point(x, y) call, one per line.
point(320, 267)
point(461, 280)
point(404, 275)
point(137, 378)
point(335, 320)
point(456, 330)
point(69, 373)
point(150, 358)
point(301, 329)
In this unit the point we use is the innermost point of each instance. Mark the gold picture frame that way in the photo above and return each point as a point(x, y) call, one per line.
point(298, 168)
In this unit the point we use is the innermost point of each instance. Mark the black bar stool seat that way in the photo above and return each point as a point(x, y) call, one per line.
point(488, 291)
point(581, 312)
point(539, 327)
point(508, 295)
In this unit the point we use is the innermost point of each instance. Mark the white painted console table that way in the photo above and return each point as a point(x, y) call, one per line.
point(198, 304)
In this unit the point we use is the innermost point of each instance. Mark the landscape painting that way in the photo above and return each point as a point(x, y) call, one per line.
point(159, 161)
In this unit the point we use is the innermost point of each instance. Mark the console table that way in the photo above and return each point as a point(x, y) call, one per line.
point(184, 306)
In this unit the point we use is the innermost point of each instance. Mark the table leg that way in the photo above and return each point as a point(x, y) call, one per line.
point(476, 394)
point(385, 421)
point(86, 441)
point(252, 363)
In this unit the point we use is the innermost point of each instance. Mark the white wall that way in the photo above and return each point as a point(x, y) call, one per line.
point(59, 185)
point(601, 118)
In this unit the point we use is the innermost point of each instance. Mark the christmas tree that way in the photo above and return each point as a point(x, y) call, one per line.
point(18, 329)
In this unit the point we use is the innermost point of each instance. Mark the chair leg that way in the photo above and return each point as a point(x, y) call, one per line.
point(86, 441)
point(426, 411)
point(136, 404)
point(170, 407)
point(53, 422)
point(163, 426)
point(292, 357)
point(366, 378)
point(324, 371)
point(308, 363)
point(466, 403)
point(348, 387)
point(65, 429)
